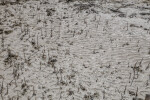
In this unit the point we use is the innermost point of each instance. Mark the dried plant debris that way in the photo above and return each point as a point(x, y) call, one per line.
point(137, 99)
point(147, 97)
point(50, 12)
point(1, 31)
point(8, 32)
point(74, 50)
point(83, 6)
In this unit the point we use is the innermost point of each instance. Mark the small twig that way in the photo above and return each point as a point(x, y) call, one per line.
point(125, 89)
point(136, 93)
point(1, 91)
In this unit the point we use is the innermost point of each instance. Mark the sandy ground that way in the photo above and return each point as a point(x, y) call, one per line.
point(53, 50)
